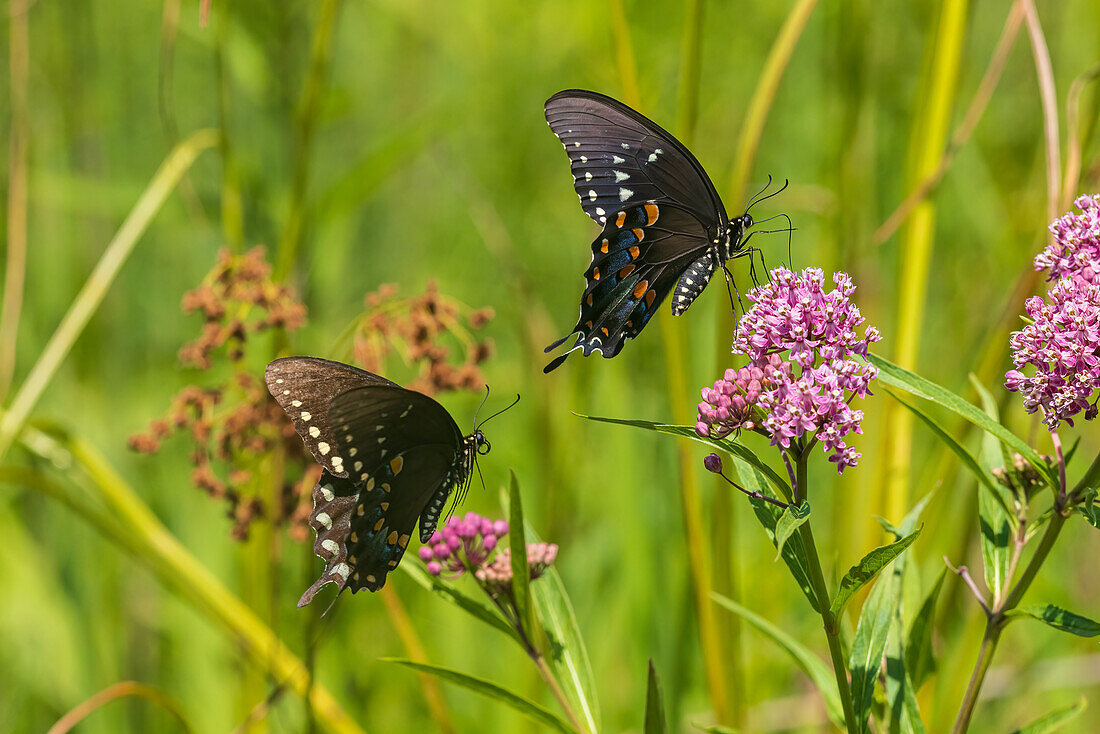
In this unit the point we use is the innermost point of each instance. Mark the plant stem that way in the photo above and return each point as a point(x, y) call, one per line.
point(997, 620)
point(559, 694)
point(821, 593)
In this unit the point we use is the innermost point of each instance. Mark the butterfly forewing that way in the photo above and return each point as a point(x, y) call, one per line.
point(620, 158)
point(304, 387)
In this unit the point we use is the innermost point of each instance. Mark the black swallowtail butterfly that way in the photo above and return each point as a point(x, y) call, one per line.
point(665, 228)
point(390, 456)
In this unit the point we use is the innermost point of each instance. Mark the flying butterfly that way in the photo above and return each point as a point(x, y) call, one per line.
point(390, 456)
point(665, 229)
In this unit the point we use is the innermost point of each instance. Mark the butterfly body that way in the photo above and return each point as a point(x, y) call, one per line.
point(664, 227)
point(391, 457)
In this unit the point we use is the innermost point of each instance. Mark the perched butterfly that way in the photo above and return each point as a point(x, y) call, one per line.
point(664, 226)
point(390, 456)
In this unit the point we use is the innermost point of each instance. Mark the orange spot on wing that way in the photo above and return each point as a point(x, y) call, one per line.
point(604, 245)
point(396, 464)
point(638, 233)
point(378, 525)
point(595, 273)
point(626, 270)
point(634, 252)
point(620, 219)
point(392, 538)
point(650, 296)
point(651, 213)
point(588, 324)
point(639, 290)
point(604, 330)
point(588, 300)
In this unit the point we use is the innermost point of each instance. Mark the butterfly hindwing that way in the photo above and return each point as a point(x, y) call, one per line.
point(636, 261)
point(304, 387)
point(620, 158)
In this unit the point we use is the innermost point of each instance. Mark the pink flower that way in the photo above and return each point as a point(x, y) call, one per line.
point(496, 577)
point(802, 373)
point(1076, 249)
point(1062, 344)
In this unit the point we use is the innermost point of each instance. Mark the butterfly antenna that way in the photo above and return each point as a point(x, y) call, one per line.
point(482, 405)
point(758, 193)
point(494, 415)
point(777, 192)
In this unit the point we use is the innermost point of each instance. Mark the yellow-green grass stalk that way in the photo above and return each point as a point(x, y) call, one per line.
point(927, 139)
point(752, 130)
point(114, 692)
point(305, 120)
point(95, 288)
point(232, 206)
point(16, 262)
point(675, 352)
point(116, 510)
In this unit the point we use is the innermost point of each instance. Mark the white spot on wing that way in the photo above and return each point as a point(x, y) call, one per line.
point(592, 194)
point(324, 448)
point(330, 545)
point(327, 493)
point(325, 519)
point(620, 176)
point(314, 431)
point(625, 194)
point(306, 416)
point(343, 569)
point(588, 175)
point(617, 159)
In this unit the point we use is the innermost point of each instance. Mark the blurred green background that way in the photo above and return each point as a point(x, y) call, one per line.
point(409, 144)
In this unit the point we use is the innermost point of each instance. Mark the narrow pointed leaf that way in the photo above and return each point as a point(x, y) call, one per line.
point(811, 664)
point(995, 534)
point(567, 650)
point(486, 688)
point(472, 606)
point(1060, 619)
point(521, 572)
point(861, 573)
point(919, 660)
point(789, 521)
point(892, 374)
point(988, 482)
point(1055, 720)
point(725, 444)
point(794, 552)
point(868, 647)
point(654, 705)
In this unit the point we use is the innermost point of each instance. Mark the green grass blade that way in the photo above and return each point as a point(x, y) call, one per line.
point(491, 690)
point(810, 663)
point(1055, 720)
point(869, 645)
point(468, 604)
point(84, 306)
point(1059, 619)
point(919, 660)
point(521, 572)
point(655, 722)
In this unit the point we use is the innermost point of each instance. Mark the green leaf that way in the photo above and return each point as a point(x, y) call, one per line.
point(725, 444)
point(715, 729)
point(489, 689)
point(794, 552)
point(521, 572)
point(859, 574)
point(474, 607)
point(919, 660)
point(654, 705)
point(1059, 619)
point(810, 663)
point(996, 541)
point(1055, 720)
point(909, 523)
point(1088, 509)
point(569, 654)
point(896, 376)
point(985, 478)
point(788, 522)
point(869, 644)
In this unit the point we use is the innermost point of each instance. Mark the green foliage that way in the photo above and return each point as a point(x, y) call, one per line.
point(1055, 720)
point(860, 574)
point(655, 722)
point(1059, 619)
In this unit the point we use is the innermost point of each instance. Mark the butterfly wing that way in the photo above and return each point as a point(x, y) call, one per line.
point(304, 387)
point(621, 159)
point(636, 261)
point(400, 450)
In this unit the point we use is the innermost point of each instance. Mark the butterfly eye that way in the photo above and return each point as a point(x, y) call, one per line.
point(746, 221)
point(483, 445)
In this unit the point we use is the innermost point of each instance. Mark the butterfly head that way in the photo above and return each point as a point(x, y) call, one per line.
point(481, 444)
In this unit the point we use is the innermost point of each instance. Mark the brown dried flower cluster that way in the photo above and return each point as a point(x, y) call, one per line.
point(236, 423)
point(427, 331)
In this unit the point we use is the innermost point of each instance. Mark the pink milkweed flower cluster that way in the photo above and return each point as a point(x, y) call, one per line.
point(462, 544)
point(1063, 345)
point(801, 342)
point(496, 577)
point(1075, 251)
